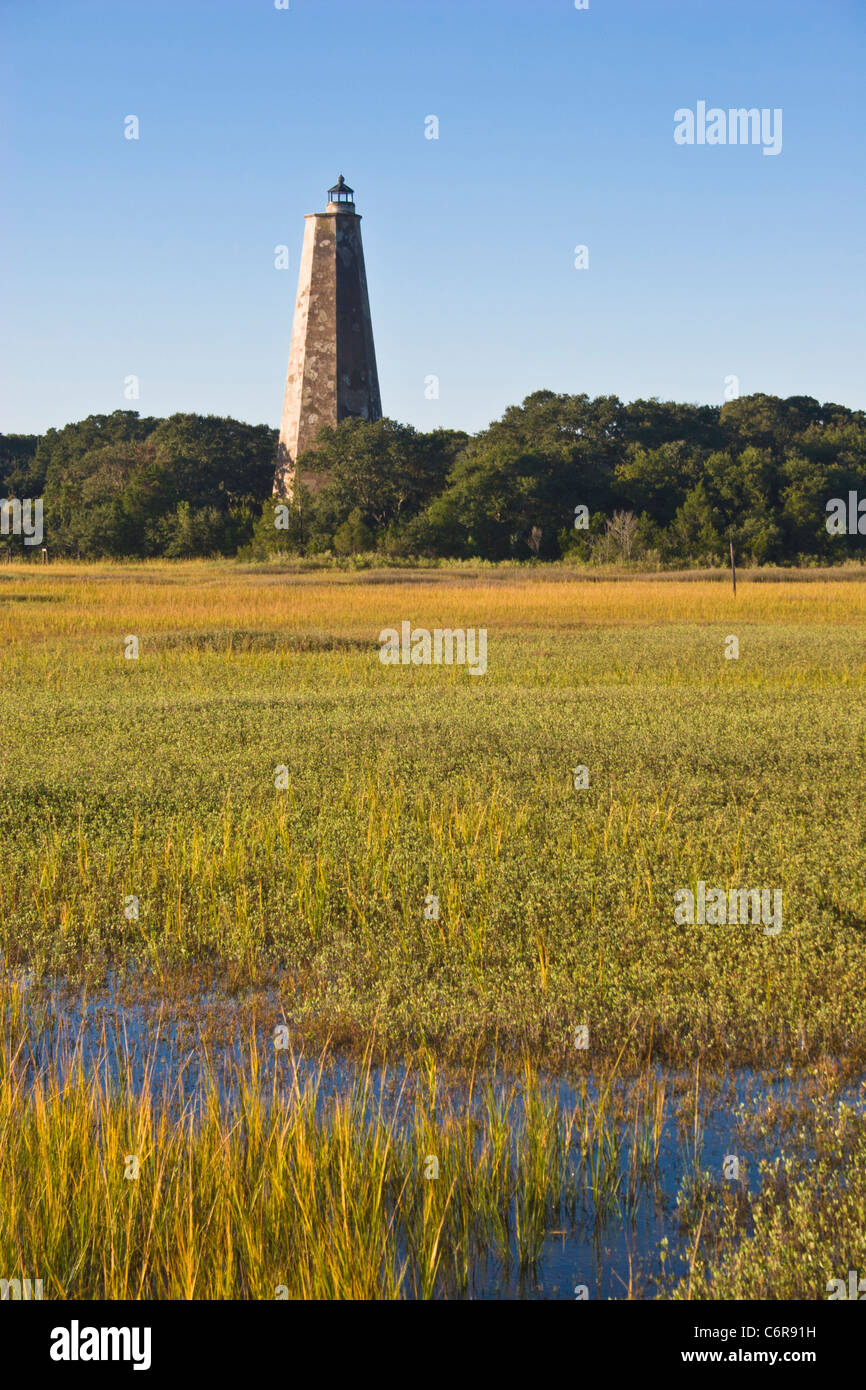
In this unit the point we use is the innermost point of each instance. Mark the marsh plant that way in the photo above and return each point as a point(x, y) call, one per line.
point(465, 871)
point(392, 1184)
point(806, 1220)
point(717, 907)
point(418, 647)
point(281, 807)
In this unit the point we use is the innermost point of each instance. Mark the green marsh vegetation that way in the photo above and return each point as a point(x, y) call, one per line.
point(155, 779)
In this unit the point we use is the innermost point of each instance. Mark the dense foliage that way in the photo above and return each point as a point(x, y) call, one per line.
point(120, 485)
point(661, 482)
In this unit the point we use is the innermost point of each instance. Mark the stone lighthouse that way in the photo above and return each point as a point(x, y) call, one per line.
point(332, 362)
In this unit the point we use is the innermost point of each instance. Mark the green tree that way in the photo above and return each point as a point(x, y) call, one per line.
point(354, 537)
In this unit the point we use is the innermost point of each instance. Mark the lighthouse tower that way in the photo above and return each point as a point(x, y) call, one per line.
point(332, 362)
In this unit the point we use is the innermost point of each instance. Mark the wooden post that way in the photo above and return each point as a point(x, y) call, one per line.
point(733, 568)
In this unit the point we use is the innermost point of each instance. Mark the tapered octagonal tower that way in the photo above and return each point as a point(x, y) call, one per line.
point(332, 361)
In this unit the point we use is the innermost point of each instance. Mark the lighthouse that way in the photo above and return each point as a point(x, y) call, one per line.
point(332, 362)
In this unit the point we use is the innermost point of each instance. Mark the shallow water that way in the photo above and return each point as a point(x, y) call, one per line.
point(606, 1249)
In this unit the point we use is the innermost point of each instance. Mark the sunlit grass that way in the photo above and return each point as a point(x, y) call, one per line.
point(155, 779)
point(67, 598)
point(287, 1188)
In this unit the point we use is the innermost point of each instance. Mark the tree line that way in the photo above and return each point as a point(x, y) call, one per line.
point(593, 479)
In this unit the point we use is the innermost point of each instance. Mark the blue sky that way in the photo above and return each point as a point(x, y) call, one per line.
point(155, 257)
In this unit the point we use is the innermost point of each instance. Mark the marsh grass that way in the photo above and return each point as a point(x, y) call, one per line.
point(155, 778)
point(268, 1176)
point(804, 1227)
point(267, 1173)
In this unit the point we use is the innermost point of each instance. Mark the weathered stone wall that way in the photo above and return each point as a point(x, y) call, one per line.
point(311, 382)
point(358, 391)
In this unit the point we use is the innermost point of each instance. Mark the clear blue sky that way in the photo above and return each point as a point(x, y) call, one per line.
point(156, 257)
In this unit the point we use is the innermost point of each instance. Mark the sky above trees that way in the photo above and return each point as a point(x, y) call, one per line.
point(150, 264)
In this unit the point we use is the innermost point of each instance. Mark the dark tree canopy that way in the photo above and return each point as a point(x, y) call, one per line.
point(660, 481)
